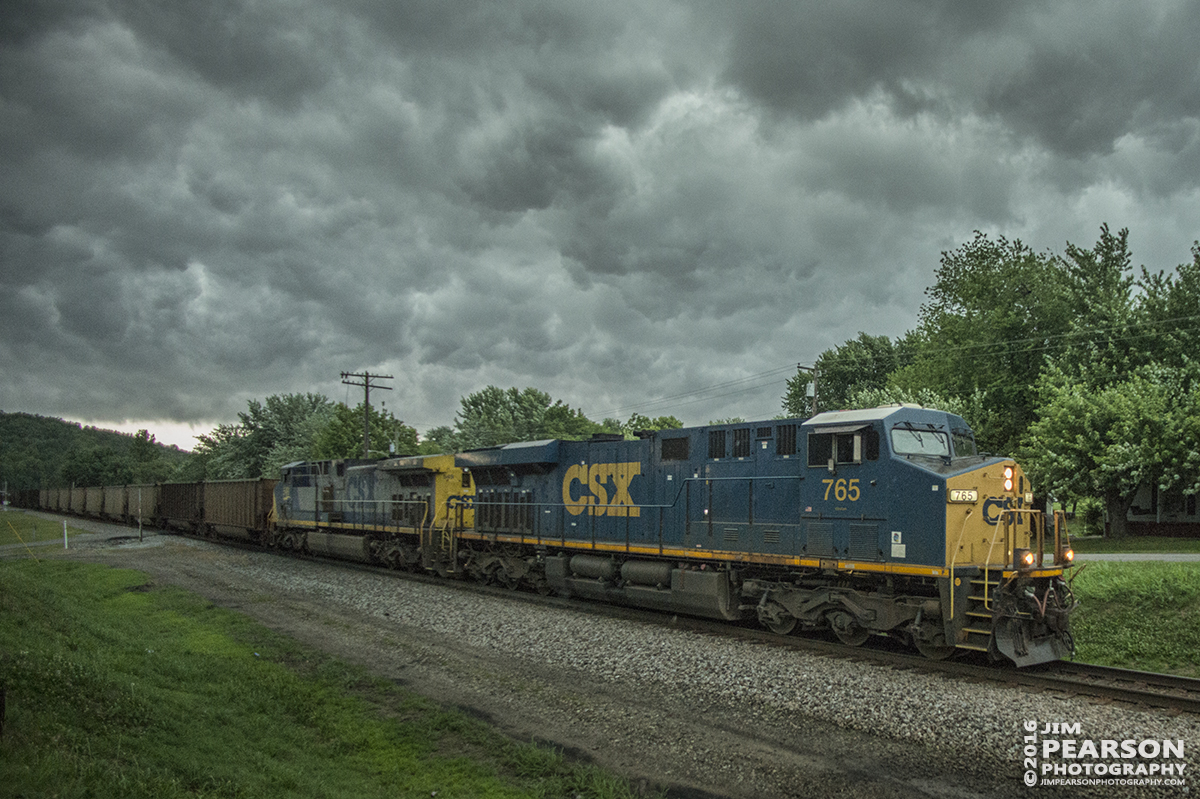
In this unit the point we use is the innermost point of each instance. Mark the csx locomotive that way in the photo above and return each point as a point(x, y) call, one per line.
point(867, 522)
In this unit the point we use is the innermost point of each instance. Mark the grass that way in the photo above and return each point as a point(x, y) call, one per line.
point(1139, 615)
point(17, 527)
point(1135, 543)
point(117, 687)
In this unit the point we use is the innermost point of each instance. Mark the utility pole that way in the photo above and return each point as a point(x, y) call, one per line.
point(815, 372)
point(367, 386)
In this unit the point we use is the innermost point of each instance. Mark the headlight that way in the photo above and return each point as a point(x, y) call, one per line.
point(1008, 478)
point(1023, 558)
point(1069, 555)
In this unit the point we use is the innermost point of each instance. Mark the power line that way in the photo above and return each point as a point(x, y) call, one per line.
point(1047, 343)
point(367, 385)
point(693, 393)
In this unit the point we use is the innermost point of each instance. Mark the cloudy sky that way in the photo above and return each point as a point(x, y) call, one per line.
point(645, 206)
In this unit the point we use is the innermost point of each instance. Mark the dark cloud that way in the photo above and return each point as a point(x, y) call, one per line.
point(206, 202)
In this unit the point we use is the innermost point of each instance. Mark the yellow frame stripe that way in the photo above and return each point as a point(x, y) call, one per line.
point(725, 556)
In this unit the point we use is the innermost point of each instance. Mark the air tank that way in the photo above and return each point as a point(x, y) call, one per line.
point(594, 566)
point(647, 572)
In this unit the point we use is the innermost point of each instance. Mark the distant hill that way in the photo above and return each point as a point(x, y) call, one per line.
point(45, 452)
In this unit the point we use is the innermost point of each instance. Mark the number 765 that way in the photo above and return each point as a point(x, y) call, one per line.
point(842, 489)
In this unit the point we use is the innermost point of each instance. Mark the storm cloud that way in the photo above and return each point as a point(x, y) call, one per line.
point(207, 202)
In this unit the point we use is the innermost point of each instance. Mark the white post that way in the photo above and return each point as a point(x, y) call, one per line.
point(64, 533)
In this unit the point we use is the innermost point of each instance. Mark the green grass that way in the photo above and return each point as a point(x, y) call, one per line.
point(1135, 543)
point(1139, 615)
point(17, 528)
point(117, 687)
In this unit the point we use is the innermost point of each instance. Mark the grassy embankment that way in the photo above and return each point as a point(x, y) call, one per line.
point(116, 687)
point(18, 528)
point(1097, 545)
point(1142, 615)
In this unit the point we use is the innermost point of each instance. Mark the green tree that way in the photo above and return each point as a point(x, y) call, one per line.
point(342, 435)
point(439, 441)
point(1100, 337)
point(1105, 438)
point(495, 416)
point(93, 466)
point(638, 422)
point(1170, 312)
point(266, 436)
point(860, 364)
point(991, 317)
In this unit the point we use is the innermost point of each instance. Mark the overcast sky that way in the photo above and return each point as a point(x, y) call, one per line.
point(211, 201)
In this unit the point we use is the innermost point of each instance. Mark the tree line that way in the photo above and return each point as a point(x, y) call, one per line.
point(41, 452)
point(1081, 368)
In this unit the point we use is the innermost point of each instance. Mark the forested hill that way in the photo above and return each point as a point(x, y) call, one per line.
point(43, 452)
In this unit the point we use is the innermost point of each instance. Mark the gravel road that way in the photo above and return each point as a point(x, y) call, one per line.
point(697, 715)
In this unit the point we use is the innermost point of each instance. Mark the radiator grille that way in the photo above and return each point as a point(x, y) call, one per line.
point(864, 541)
point(820, 538)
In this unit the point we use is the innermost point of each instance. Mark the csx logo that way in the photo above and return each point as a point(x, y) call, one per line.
point(586, 486)
point(994, 508)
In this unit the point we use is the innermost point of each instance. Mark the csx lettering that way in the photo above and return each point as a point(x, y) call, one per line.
point(587, 487)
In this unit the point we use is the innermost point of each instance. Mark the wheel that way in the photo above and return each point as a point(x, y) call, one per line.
point(776, 619)
point(783, 626)
point(852, 635)
point(847, 630)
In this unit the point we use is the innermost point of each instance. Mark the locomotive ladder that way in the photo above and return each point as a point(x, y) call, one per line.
point(978, 628)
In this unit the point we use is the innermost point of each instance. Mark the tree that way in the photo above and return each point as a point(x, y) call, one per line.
point(1106, 442)
point(993, 313)
point(93, 466)
point(342, 435)
point(1099, 285)
point(1170, 312)
point(266, 436)
point(858, 365)
point(637, 422)
point(495, 416)
point(439, 440)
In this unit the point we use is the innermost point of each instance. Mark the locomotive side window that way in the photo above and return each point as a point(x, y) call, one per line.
point(820, 449)
point(843, 447)
point(910, 441)
point(674, 449)
point(849, 448)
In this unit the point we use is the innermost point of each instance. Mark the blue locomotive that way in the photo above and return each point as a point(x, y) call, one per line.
point(884, 521)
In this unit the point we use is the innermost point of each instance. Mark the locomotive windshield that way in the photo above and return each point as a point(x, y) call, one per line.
point(910, 441)
point(964, 443)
